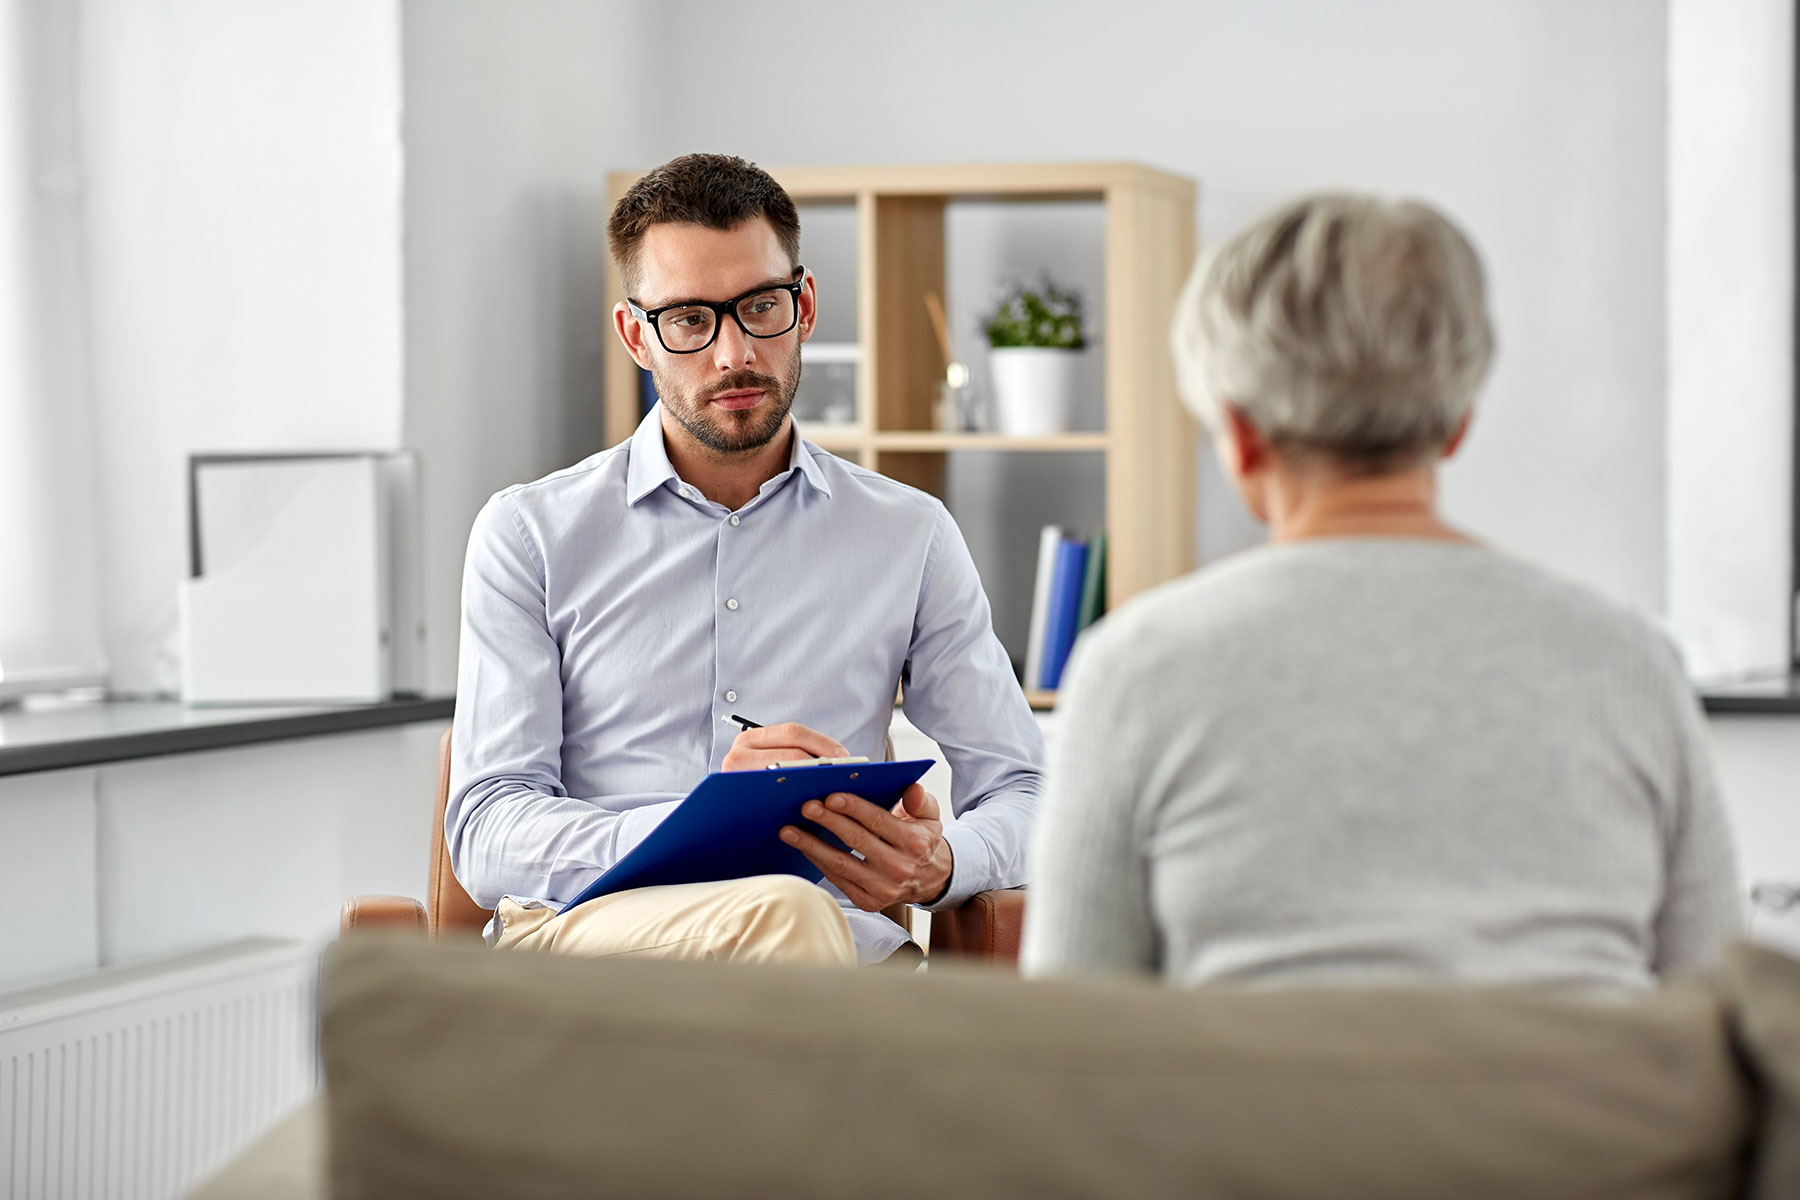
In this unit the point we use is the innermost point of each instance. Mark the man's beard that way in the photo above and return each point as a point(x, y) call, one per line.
point(723, 431)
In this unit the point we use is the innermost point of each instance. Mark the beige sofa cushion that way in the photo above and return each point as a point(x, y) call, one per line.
point(462, 1072)
point(1765, 987)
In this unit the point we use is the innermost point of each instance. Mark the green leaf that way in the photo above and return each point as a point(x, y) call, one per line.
point(1035, 314)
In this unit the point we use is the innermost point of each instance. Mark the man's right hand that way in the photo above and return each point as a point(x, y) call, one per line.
point(755, 749)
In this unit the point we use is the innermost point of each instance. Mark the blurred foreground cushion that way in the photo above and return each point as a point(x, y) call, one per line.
point(1765, 990)
point(457, 1071)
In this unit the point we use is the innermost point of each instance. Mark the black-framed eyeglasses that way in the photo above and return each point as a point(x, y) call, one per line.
point(693, 325)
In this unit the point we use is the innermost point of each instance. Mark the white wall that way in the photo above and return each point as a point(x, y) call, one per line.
point(129, 861)
point(47, 877)
point(244, 243)
point(335, 289)
point(197, 849)
point(515, 110)
point(1538, 123)
point(1758, 758)
point(1731, 333)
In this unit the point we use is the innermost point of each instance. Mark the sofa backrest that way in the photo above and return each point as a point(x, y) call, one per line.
point(1762, 989)
point(465, 1072)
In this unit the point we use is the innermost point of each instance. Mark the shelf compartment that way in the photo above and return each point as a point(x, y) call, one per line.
point(829, 394)
point(839, 439)
point(902, 360)
point(921, 469)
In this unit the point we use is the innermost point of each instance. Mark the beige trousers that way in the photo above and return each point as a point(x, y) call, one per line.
point(763, 919)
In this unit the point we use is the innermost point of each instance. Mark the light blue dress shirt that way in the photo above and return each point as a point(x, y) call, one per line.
point(613, 616)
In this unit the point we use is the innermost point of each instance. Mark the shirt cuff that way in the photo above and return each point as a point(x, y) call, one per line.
point(971, 868)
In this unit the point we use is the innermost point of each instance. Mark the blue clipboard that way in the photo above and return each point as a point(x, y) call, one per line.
point(729, 826)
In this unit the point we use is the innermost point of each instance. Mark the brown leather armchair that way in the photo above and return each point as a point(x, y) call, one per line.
point(987, 926)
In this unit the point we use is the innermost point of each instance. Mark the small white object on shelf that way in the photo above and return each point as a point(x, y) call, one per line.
point(1049, 538)
point(304, 580)
point(827, 394)
point(1034, 388)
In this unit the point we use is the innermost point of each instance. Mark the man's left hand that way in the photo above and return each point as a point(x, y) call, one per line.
point(905, 859)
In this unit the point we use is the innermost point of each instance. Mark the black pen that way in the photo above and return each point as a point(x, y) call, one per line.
point(745, 724)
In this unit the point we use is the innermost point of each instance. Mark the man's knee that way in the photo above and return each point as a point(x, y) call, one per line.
point(791, 897)
point(791, 909)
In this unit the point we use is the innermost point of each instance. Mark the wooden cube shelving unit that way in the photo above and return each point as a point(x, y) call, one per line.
point(1149, 440)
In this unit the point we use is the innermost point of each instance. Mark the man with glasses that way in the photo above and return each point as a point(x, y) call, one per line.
point(618, 613)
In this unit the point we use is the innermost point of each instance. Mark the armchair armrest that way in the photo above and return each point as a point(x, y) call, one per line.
point(381, 912)
point(987, 925)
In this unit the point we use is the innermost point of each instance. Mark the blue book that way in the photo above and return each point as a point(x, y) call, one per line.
point(729, 826)
point(646, 392)
point(1064, 615)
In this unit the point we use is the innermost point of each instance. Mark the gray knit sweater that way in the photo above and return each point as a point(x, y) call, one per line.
point(1379, 761)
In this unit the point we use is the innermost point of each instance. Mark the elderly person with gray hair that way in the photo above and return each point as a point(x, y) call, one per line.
point(1373, 751)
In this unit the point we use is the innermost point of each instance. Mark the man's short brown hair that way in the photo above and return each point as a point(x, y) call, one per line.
point(719, 191)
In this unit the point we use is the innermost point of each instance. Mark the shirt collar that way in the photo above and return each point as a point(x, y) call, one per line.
point(649, 468)
point(804, 458)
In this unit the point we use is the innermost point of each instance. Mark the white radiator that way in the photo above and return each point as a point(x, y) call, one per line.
point(139, 1082)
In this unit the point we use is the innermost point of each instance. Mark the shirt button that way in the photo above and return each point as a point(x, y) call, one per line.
point(731, 604)
point(734, 519)
point(731, 697)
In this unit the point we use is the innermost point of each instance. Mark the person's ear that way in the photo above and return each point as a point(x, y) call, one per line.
point(1247, 447)
point(1244, 457)
point(631, 332)
point(809, 306)
point(1457, 435)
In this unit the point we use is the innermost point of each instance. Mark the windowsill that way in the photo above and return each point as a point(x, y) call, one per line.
point(89, 733)
point(1775, 696)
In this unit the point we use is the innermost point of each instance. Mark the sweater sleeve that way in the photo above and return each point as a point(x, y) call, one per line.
point(1090, 893)
point(1703, 905)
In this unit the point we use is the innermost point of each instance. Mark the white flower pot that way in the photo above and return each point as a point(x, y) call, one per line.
point(1034, 389)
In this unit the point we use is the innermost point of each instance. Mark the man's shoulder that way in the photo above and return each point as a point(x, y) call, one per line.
point(869, 490)
point(537, 513)
point(591, 475)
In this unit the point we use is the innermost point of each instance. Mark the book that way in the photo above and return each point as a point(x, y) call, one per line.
point(729, 826)
point(647, 396)
point(1064, 610)
point(1049, 538)
point(1093, 585)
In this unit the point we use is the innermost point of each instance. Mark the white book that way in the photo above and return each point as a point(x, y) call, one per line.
point(1048, 540)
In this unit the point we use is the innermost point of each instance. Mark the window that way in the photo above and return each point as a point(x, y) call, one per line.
point(49, 570)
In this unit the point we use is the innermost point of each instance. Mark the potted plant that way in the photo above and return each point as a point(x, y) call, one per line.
point(1035, 342)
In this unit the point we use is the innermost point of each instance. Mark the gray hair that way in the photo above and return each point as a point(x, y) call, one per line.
point(1341, 325)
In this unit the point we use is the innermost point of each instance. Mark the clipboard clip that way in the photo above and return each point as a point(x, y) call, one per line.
point(818, 762)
